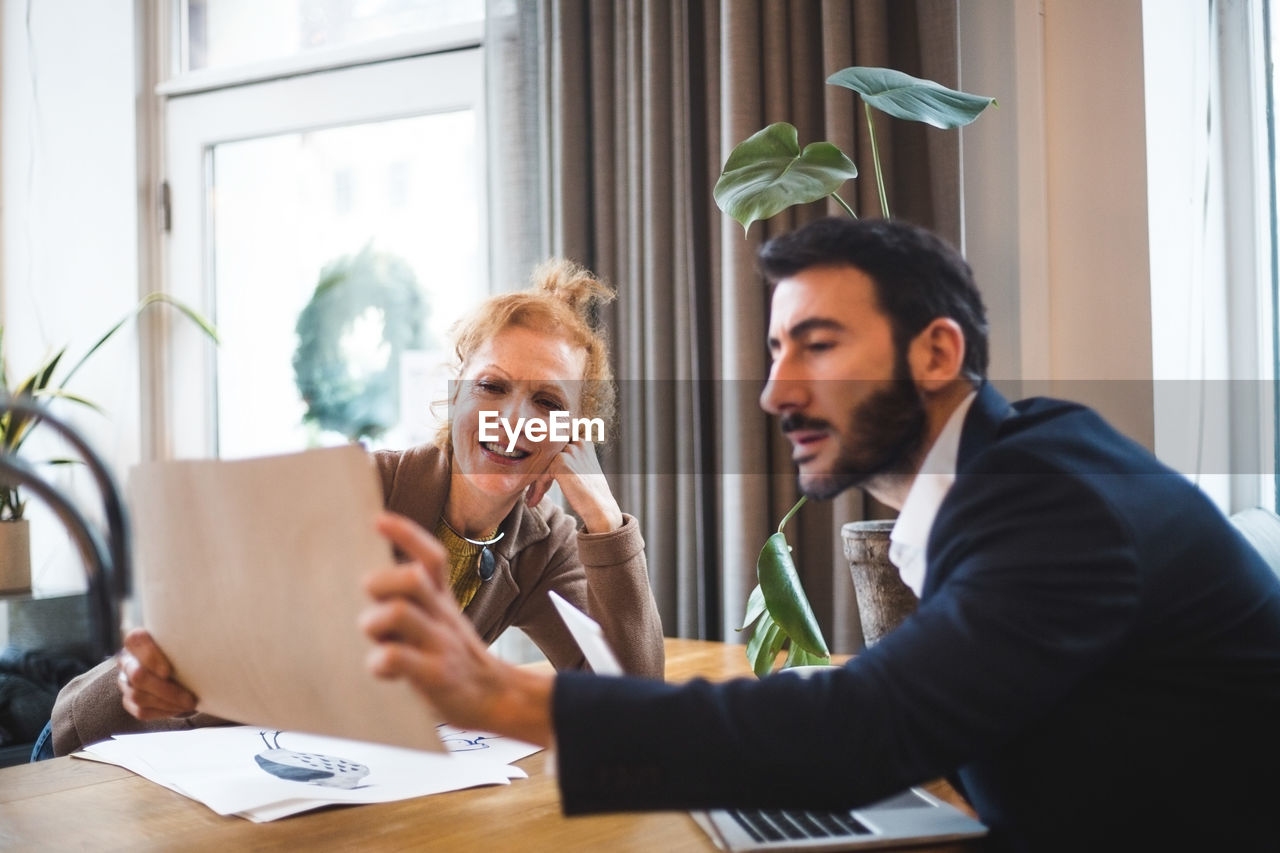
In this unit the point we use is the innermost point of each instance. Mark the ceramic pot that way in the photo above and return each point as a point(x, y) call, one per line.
point(15, 556)
point(884, 601)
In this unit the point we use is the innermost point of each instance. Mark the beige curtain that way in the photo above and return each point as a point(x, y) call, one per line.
point(609, 122)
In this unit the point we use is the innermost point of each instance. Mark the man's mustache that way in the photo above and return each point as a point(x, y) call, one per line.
point(794, 421)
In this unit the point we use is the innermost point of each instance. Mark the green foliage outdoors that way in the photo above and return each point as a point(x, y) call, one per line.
point(367, 309)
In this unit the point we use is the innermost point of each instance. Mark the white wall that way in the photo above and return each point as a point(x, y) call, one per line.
point(1114, 226)
point(1003, 152)
point(1056, 198)
point(68, 267)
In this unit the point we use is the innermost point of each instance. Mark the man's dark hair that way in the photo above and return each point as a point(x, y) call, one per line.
point(917, 275)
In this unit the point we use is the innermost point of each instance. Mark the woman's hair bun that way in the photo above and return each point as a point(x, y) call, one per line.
point(572, 284)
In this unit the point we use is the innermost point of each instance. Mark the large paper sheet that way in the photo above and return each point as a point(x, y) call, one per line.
point(249, 577)
point(265, 774)
point(590, 637)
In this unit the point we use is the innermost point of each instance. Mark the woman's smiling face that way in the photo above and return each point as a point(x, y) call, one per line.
point(518, 373)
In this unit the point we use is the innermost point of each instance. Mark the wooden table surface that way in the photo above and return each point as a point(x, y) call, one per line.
point(71, 804)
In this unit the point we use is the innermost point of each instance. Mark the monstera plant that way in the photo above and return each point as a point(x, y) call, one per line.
point(763, 176)
point(769, 172)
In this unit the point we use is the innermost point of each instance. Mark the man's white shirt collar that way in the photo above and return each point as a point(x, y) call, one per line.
point(910, 537)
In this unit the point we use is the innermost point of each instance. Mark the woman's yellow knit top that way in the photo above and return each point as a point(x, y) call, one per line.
point(464, 579)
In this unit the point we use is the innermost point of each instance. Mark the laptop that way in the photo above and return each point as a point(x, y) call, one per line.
point(912, 817)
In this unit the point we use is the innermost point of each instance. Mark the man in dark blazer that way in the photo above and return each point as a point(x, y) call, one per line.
point(1096, 655)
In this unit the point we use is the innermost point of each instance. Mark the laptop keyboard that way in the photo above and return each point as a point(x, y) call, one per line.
point(797, 824)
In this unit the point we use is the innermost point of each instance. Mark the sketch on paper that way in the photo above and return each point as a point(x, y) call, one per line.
point(457, 740)
point(310, 767)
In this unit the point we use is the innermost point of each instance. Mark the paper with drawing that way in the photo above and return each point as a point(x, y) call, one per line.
point(249, 577)
point(265, 774)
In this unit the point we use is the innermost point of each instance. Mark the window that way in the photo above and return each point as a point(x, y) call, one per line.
point(1271, 43)
point(367, 175)
point(222, 33)
point(1210, 176)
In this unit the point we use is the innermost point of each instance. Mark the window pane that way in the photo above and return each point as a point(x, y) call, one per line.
point(1271, 41)
point(387, 214)
point(234, 32)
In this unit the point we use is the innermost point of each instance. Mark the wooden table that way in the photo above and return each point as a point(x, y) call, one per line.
point(69, 803)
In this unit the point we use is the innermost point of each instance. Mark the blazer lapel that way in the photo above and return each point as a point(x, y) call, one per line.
point(981, 424)
point(981, 427)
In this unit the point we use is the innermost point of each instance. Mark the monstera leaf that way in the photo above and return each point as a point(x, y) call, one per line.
point(906, 97)
point(767, 173)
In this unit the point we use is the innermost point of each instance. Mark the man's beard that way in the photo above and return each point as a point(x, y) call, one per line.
point(884, 434)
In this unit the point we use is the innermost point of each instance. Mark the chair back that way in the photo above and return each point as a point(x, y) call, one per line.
point(1262, 528)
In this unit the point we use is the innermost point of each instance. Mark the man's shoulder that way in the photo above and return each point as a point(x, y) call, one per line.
point(1035, 417)
point(1056, 462)
point(1042, 435)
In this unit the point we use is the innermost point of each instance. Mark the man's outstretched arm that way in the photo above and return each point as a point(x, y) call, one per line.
point(422, 636)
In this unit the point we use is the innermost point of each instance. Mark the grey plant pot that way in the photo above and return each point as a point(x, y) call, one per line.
point(884, 601)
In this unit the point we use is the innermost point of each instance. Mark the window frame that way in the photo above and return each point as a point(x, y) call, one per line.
point(179, 417)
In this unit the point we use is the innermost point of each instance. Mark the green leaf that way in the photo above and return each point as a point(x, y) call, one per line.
point(61, 394)
point(763, 646)
point(183, 308)
point(11, 504)
point(767, 173)
point(15, 427)
point(144, 303)
point(798, 656)
point(755, 607)
point(43, 375)
point(906, 97)
point(784, 596)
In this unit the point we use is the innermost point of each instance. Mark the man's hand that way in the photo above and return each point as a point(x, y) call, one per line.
point(577, 470)
point(423, 637)
point(147, 687)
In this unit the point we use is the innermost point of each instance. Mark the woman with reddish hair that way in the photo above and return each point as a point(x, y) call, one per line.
point(526, 354)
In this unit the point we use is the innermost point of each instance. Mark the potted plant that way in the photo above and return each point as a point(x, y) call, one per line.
point(781, 611)
point(44, 384)
point(763, 176)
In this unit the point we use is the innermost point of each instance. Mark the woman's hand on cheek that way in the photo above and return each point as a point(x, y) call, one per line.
point(537, 490)
point(577, 470)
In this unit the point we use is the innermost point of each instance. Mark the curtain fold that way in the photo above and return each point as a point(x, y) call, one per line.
point(609, 122)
